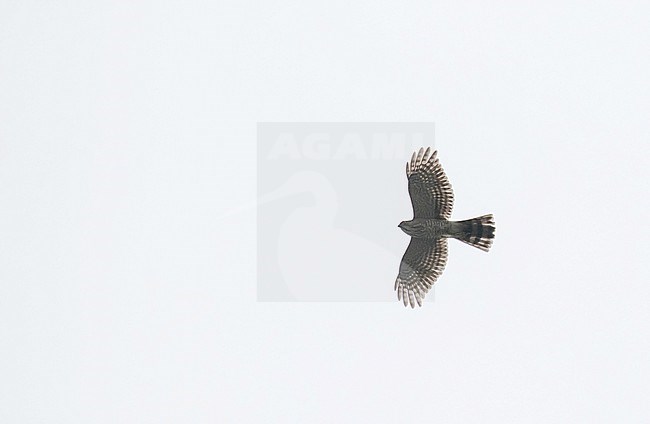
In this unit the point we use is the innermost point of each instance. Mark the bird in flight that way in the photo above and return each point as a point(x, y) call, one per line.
point(426, 255)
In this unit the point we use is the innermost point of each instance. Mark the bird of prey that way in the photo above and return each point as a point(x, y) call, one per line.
point(426, 255)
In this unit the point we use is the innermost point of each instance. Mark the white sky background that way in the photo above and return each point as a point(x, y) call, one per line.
point(126, 129)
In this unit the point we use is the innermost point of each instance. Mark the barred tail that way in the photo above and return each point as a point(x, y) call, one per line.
point(478, 232)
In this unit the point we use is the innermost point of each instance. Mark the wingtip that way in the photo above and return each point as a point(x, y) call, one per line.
point(421, 157)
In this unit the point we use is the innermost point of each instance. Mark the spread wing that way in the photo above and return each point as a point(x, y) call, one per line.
point(429, 188)
point(422, 264)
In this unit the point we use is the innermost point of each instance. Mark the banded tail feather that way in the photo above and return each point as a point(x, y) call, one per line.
point(478, 232)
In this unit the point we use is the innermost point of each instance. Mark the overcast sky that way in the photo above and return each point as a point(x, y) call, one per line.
point(128, 287)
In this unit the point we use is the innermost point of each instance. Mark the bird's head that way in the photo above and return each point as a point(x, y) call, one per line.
point(412, 228)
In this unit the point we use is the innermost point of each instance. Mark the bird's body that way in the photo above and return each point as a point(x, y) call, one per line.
point(426, 256)
point(428, 228)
